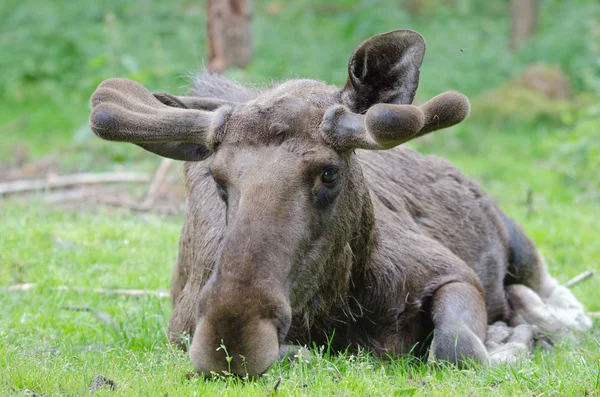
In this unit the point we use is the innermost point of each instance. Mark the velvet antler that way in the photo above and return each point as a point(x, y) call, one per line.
point(124, 110)
point(385, 125)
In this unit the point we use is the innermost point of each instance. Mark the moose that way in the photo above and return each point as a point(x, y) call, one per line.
point(308, 222)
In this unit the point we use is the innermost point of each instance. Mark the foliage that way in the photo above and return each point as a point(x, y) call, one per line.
point(58, 47)
point(43, 346)
point(577, 144)
point(511, 104)
point(55, 53)
point(577, 150)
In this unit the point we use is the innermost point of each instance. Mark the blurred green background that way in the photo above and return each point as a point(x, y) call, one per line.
point(532, 141)
point(54, 54)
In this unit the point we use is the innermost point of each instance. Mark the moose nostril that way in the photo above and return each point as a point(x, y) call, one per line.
point(283, 323)
point(250, 350)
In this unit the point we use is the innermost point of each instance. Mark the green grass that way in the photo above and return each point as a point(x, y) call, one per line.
point(55, 53)
point(113, 249)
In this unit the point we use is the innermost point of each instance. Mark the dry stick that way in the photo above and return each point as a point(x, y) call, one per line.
point(579, 278)
point(98, 346)
point(38, 168)
point(78, 194)
point(102, 198)
point(124, 202)
point(102, 317)
point(71, 180)
point(93, 195)
point(125, 292)
point(157, 181)
point(277, 383)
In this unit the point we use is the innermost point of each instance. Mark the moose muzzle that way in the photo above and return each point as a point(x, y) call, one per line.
point(239, 328)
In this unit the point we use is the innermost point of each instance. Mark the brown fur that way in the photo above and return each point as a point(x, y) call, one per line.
point(408, 225)
point(402, 252)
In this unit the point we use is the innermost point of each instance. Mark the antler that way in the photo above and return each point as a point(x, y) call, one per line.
point(125, 111)
point(385, 125)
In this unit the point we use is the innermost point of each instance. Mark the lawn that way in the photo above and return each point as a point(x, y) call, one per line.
point(543, 173)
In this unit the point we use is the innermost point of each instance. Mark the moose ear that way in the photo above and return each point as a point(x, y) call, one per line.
point(384, 69)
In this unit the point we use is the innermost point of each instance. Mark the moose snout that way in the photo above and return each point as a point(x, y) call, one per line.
point(251, 352)
point(240, 336)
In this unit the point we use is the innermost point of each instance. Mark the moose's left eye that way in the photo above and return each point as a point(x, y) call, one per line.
point(329, 175)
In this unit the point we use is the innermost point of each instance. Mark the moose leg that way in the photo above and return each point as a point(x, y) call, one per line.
point(526, 307)
point(542, 293)
point(561, 302)
point(527, 267)
point(507, 344)
point(460, 323)
point(530, 321)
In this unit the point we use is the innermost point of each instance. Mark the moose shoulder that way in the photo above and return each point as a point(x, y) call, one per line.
point(307, 222)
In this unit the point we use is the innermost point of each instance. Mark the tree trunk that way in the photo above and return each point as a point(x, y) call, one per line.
point(523, 15)
point(229, 36)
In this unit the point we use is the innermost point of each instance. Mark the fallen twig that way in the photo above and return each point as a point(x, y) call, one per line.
point(102, 317)
point(579, 278)
point(38, 168)
point(124, 202)
point(594, 314)
point(71, 180)
point(275, 386)
point(95, 196)
point(98, 346)
point(158, 181)
point(125, 292)
point(63, 196)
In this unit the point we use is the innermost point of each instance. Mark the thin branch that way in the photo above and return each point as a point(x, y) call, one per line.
point(66, 196)
point(62, 181)
point(98, 346)
point(96, 196)
point(124, 202)
point(102, 317)
point(158, 180)
point(38, 168)
point(579, 278)
point(125, 292)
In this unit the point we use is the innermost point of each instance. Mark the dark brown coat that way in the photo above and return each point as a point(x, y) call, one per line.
point(294, 233)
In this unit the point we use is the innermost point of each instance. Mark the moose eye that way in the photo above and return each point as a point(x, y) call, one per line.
point(329, 175)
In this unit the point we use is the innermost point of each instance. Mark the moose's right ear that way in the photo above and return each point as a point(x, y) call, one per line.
point(384, 69)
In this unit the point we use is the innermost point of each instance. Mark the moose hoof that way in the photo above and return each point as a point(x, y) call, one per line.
point(506, 344)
